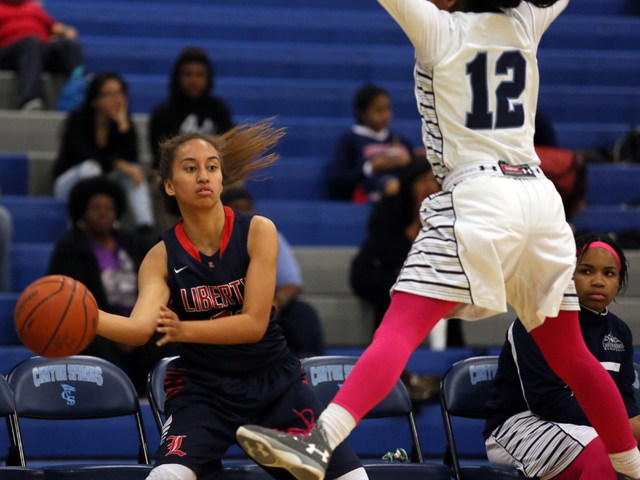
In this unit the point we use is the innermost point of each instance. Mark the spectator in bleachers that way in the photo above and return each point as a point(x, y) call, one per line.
point(6, 235)
point(100, 139)
point(106, 259)
point(534, 408)
point(191, 105)
point(368, 157)
point(298, 319)
point(393, 225)
point(32, 42)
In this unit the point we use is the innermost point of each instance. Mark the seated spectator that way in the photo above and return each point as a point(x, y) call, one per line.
point(539, 427)
point(368, 157)
point(393, 225)
point(6, 235)
point(32, 42)
point(298, 319)
point(100, 139)
point(191, 106)
point(106, 260)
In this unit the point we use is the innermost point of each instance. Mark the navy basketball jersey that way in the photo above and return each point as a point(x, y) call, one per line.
point(208, 287)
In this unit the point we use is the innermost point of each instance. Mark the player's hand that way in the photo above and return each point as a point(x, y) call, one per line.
point(170, 325)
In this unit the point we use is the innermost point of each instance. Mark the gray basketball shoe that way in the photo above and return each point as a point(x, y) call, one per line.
point(305, 456)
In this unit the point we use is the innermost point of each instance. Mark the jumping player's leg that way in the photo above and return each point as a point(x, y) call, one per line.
point(406, 324)
point(592, 464)
point(561, 343)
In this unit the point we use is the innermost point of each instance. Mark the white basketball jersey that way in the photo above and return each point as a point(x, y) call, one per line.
point(476, 80)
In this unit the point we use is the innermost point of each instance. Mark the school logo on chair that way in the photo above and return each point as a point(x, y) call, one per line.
point(68, 394)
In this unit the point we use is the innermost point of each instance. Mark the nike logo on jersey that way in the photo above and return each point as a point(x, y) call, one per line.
point(178, 270)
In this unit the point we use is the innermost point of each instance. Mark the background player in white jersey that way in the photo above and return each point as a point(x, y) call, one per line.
point(209, 285)
point(495, 234)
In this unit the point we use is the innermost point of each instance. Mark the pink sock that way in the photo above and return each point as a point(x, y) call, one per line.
point(562, 345)
point(407, 322)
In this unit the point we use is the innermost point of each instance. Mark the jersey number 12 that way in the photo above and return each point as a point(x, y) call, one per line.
point(507, 115)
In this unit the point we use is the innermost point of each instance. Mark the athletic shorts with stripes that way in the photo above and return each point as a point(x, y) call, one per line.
point(537, 447)
point(489, 241)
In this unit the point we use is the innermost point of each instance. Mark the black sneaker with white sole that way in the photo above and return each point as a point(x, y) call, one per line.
point(305, 456)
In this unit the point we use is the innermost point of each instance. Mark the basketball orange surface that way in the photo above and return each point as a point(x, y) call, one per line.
point(56, 316)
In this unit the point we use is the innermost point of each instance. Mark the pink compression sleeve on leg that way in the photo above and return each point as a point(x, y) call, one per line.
point(407, 322)
point(592, 464)
point(562, 345)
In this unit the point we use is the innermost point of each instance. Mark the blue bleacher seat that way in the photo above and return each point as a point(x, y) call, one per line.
point(36, 219)
point(317, 222)
point(30, 262)
point(607, 219)
point(613, 183)
point(14, 174)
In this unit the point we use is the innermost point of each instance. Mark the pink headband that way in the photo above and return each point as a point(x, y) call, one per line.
point(607, 247)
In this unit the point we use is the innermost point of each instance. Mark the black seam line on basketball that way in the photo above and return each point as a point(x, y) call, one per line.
point(26, 322)
point(62, 317)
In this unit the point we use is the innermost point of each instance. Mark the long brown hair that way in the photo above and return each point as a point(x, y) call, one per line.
point(243, 151)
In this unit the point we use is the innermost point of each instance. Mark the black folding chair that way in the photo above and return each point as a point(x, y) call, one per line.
point(326, 374)
point(75, 388)
point(15, 468)
point(466, 387)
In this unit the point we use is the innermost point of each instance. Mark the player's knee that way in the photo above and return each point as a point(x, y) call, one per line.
point(172, 471)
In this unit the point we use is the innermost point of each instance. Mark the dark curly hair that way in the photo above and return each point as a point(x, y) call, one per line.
point(582, 244)
point(84, 190)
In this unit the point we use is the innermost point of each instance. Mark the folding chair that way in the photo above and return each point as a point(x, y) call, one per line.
point(75, 388)
point(240, 470)
point(466, 387)
point(326, 374)
point(15, 468)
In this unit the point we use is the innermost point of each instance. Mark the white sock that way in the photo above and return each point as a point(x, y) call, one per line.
point(171, 471)
point(337, 423)
point(627, 463)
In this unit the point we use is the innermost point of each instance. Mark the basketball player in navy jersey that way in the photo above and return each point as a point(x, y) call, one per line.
point(538, 427)
point(209, 286)
point(495, 234)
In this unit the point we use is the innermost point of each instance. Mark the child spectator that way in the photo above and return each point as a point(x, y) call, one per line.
point(368, 157)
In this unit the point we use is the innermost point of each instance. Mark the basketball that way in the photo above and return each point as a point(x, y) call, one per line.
point(56, 316)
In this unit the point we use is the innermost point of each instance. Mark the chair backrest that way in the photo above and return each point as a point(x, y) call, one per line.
point(155, 389)
point(326, 374)
point(77, 387)
point(466, 388)
point(8, 411)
